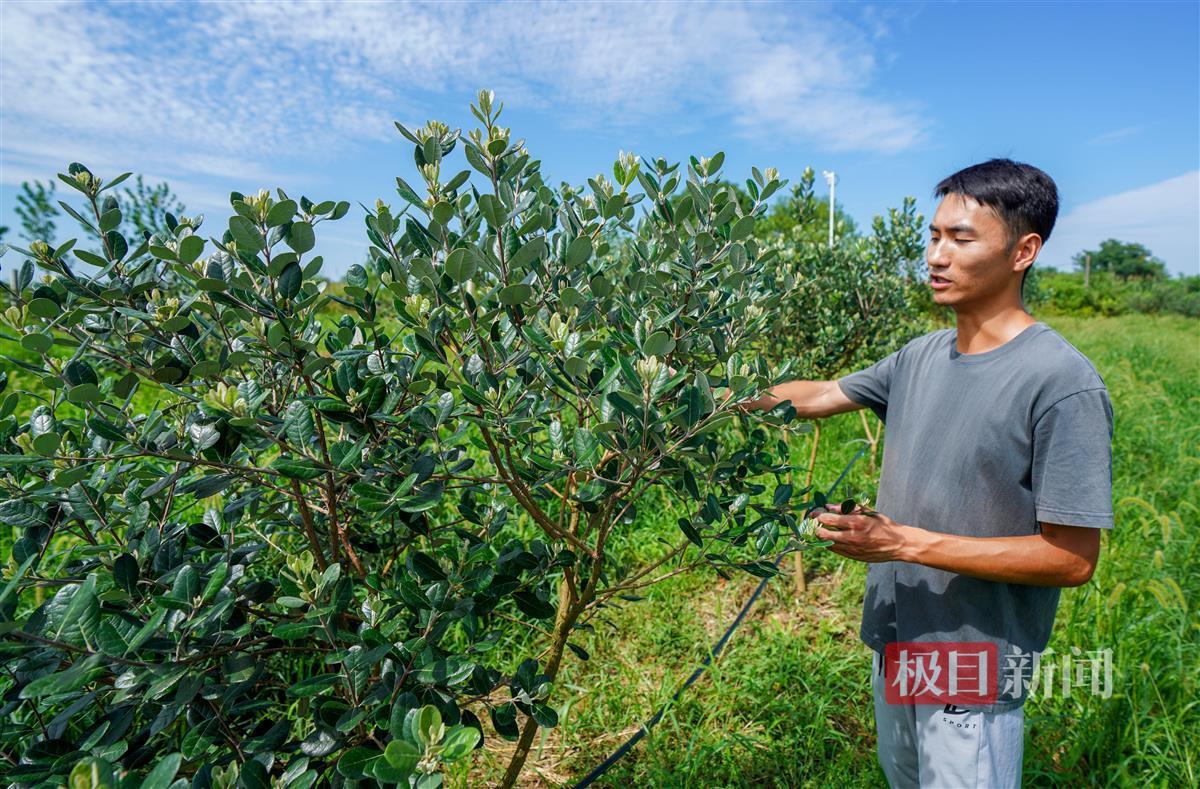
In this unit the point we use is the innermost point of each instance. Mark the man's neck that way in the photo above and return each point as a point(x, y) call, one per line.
point(982, 329)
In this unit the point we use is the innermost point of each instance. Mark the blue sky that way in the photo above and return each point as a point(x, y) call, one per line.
point(215, 97)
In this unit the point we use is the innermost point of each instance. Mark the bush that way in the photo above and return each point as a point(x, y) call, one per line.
point(273, 534)
point(1108, 294)
point(849, 306)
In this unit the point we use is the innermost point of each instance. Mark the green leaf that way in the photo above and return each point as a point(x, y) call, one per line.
point(92, 772)
point(578, 252)
point(625, 405)
point(443, 212)
point(313, 685)
point(290, 280)
point(532, 605)
point(281, 213)
point(67, 681)
point(492, 210)
point(460, 265)
point(459, 742)
point(16, 577)
point(46, 443)
point(516, 294)
point(203, 435)
point(407, 192)
point(690, 532)
point(125, 572)
point(448, 672)
point(84, 393)
point(37, 342)
point(301, 237)
point(82, 600)
point(109, 220)
point(297, 468)
point(356, 276)
point(79, 372)
point(402, 755)
point(355, 762)
point(43, 307)
point(163, 773)
point(587, 448)
point(186, 585)
point(742, 229)
point(426, 726)
point(246, 235)
point(658, 344)
point(216, 582)
point(529, 252)
point(298, 423)
point(189, 249)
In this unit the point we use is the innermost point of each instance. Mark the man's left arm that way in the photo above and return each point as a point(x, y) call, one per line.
point(1059, 556)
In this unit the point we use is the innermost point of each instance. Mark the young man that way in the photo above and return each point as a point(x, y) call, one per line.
point(996, 479)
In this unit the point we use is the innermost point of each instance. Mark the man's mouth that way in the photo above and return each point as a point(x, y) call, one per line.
point(938, 282)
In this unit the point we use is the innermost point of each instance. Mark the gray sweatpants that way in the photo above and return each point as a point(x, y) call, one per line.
point(937, 745)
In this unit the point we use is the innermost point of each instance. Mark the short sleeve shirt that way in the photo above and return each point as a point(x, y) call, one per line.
point(982, 445)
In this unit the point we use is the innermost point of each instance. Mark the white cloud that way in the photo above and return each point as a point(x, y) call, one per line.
point(219, 89)
point(1165, 217)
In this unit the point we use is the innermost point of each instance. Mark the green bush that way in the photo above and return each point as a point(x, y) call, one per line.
point(273, 533)
point(851, 305)
point(1108, 294)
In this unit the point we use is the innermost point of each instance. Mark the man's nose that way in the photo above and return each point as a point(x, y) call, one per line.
point(936, 255)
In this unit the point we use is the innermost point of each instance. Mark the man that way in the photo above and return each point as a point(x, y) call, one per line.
point(996, 478)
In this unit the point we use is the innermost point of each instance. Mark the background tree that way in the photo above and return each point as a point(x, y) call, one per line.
point(801, 214)
point(35, 209)
point(849, 306)
point(148, 208)
point(1122, 259)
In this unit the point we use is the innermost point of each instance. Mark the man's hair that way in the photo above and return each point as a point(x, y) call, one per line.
point(1025, 198)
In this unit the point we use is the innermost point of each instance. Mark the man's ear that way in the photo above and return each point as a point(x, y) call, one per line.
point(1025, 251)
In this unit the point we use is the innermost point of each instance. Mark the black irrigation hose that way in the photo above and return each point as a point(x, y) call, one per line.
point(616, 756)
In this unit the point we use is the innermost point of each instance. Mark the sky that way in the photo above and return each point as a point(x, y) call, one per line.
point(220, 97)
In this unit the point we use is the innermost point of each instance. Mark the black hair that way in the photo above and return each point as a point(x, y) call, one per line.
point(1025, 198)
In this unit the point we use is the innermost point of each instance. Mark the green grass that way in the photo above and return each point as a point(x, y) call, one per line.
point(789, 702)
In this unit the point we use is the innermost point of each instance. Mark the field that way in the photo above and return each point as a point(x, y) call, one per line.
point(788, 702)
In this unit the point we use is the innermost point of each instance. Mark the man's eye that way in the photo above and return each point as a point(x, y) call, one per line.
point(964, 240)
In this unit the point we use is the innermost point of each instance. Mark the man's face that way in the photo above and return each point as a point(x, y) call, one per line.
point(968, 255)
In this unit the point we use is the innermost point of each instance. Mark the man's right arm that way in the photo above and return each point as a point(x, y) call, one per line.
point(811, 399)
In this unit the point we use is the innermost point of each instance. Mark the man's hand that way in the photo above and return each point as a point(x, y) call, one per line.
point(864, 535)
point(1058, 556)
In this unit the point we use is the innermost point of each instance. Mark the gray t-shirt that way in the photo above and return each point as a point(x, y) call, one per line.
point(985, 445)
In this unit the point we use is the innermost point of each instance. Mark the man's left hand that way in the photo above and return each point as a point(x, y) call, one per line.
point(863, 535)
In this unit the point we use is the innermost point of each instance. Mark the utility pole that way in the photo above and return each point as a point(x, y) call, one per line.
point(831, 179)
point(1087, 269)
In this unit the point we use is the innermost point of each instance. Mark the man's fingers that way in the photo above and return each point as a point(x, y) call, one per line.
point(826, 534)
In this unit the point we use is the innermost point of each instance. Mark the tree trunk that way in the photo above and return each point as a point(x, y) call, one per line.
point(568, 612)
point(800, 581)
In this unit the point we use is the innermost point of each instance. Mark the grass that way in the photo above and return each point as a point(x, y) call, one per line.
point(788, 703)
